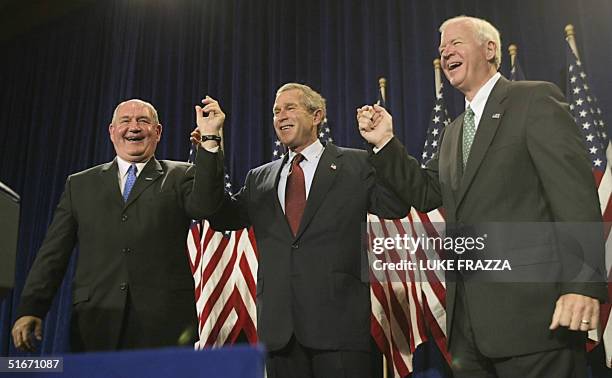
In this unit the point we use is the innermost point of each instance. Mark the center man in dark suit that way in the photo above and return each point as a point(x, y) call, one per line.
point(307, 211)
point(515, 155)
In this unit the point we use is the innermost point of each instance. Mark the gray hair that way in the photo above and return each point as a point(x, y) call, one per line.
point(484, 32)
point(312, 100)
point(148, 105)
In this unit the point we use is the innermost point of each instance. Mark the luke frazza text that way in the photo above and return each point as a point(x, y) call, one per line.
point(442, 265)
point(411, 244)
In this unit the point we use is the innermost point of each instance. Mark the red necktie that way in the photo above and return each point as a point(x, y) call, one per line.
point(295, 194)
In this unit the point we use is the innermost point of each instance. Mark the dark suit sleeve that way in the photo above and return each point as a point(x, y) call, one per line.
point(52, 259)
point(208, 199)
point(400, 172)
point(562, 162)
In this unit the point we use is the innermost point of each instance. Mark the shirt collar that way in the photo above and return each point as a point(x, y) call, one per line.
point(480, 100)
point(125, 165)
point(311, 152)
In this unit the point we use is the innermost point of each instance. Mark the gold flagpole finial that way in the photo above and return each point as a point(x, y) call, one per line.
point(570, 36)
point(512, 49)
point(382, 85)
point(569, 30)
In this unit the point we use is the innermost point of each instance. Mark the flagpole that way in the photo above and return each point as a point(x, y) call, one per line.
point(437, 75)
point(512, 50)
point(569, 37)
point(382, 85)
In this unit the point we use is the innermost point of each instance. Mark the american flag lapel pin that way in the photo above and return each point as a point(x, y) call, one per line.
point(496, 116)
point(333, 166)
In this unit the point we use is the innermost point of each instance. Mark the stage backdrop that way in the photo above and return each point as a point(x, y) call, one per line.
point(61, 80)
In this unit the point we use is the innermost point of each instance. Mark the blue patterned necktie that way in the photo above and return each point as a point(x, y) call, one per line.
point(129, 182)
point(469, 131)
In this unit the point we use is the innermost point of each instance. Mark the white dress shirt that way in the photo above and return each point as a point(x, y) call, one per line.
point(123, 168)
point(480, 100)
point(312, 155)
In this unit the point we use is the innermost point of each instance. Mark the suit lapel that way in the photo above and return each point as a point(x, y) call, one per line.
point(275, 172)
point(453, 135)
point(484, 135)
point(150, 173)
point(327, 169)
point(110, 182)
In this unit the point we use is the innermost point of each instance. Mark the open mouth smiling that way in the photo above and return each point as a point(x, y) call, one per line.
point(452, 66)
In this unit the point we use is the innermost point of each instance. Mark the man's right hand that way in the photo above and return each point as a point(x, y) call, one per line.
point(375, 125)
point(209, 124)
point(212, 122)
point(22, 332)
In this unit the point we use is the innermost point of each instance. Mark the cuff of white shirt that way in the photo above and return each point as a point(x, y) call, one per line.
point(376, 149)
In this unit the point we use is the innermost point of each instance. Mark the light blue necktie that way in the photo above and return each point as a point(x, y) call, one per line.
point(129, 182)
point(469, 131)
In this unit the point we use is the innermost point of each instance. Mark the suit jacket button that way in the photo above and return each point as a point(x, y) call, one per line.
point(123, 286)
point(126, 250)
point(124, 217)
point(295, 246)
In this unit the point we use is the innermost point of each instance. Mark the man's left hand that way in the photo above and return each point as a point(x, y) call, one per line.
point(576, 312)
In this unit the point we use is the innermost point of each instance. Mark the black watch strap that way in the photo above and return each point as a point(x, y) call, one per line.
point(216, 138)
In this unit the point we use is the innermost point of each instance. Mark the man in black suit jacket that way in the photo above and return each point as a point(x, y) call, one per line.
point(514, 156)
point(133, 286)
point(313, 298)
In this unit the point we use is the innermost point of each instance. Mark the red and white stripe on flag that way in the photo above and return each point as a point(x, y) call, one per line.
point(407, 304)
point(604, 189)
point(224, 268)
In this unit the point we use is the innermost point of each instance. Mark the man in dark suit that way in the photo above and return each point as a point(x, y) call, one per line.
point(514, 156)
point(307, 211)
point(133, 286)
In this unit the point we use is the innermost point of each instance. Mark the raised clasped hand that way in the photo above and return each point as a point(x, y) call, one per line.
point(209, 119)
point(375, 124)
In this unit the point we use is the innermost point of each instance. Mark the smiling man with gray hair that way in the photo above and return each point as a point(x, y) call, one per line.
point(515, 155)
point(133, 286)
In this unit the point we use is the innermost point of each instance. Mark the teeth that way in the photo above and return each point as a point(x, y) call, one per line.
point(454, 65)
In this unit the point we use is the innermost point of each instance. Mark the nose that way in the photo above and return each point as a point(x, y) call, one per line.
point(448, 51)
point(134, 126)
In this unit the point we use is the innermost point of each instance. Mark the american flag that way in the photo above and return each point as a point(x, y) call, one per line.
point(224, 267)
point(588, 116)
point(406, 306)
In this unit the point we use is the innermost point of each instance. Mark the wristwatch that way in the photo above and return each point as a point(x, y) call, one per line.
point(216, 138)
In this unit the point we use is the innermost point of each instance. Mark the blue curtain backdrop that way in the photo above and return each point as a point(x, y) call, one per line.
point(61, 81)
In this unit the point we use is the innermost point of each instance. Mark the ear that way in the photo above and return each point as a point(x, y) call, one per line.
point(158, 131)
point(110, 132)
point(318, 116)
point(491, 49)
